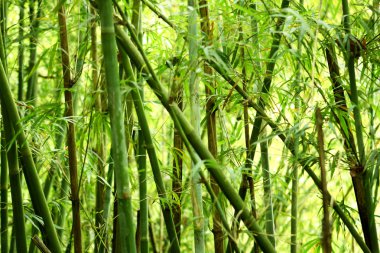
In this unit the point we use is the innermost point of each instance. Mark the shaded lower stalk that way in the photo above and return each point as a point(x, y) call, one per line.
point(4, 194)
point(119, 149)
point(15, 183)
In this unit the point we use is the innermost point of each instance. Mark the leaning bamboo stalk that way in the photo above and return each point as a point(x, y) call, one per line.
point(188, 133)
point(71, 143)
point(119, 149)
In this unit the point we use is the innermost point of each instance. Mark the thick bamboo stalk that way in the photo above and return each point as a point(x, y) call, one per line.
point(119, 149)
point(71, 143)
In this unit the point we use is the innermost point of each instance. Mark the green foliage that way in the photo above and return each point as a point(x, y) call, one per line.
point(248, 48)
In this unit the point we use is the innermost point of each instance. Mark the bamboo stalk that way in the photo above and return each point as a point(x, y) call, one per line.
point(269, 218)
point(20, 73)
point(294, 191)
point(15, 183)
point(196, 189)
point(326, 230)
point(4, 194)
point(40, 244)
point(360, 177)
point(71, 142)
point(100, 145)
point(35, 17)
point(210, 86)
point(119, 149)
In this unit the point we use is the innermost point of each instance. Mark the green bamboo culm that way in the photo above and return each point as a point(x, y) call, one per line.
point(119, 149)
point(361, 178)
point(4, 195)
point(15, 183)
point(269, 218)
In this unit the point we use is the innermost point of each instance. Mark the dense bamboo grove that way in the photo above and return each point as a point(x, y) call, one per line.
point(198, 126)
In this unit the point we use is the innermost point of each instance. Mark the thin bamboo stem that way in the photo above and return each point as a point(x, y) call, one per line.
point(71, 142)
point(35, 17)
point(269, 217)
point(4, 195)
point(20, 73)
point(326, 230)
